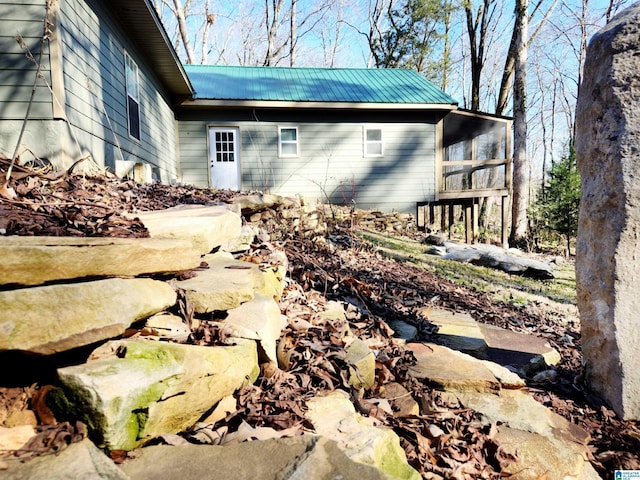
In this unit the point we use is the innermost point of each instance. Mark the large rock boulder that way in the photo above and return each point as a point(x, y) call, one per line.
point(607, 253)
point(56, 318)
point(491, 256)
point(546, 444)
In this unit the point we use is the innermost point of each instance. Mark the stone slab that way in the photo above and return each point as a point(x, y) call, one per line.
point(401, 399)
point(206, 227)
point(36, 260)
point(547, 445)
point(517, 349)
point(259, 319)
point(451, 370)
point(228, 283)
point(362, 365)
point(256, 202)
point(540, 457)
point(56, 318)
point(518, 409)
point(131, 391)
point(458, 331)
point(403, 330)
point(334, 416)
point(307, 457)
point(80, 460)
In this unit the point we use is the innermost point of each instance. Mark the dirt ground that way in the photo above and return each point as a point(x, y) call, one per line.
point(68, 204)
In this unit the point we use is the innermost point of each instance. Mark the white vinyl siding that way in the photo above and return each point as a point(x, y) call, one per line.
point(288, 142)
point(18, 73)
point(330, 165)
point(373, 141)
point(98, 97)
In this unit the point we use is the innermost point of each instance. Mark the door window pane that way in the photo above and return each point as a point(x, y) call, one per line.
point(225, 146)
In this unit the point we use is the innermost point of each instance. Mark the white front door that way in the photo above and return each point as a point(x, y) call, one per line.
point(224, 158)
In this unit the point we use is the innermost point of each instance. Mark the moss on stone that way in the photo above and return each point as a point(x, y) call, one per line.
point(391, 459)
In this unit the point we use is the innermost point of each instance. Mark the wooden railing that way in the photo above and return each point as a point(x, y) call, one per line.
point(470, 186)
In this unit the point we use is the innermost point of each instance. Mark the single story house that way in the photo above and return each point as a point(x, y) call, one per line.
point(114, 88)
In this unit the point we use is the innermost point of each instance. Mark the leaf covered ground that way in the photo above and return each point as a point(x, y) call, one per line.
point(343, 264)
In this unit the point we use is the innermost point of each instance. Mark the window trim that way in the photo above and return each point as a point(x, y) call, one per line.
point(130, 97)
point(366, 143)
point(295, 142)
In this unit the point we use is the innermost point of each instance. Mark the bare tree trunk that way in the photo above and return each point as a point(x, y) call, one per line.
point(582, 53)
point(209, 19)
point(477, 32)
point(336, 40)
point(554, 99)
point(520, 170)
point(294, 33)
point(543, 124)
point(446, 49)
point(509, 65)
point(376, 10)
point(272, 23)
point(184, 31)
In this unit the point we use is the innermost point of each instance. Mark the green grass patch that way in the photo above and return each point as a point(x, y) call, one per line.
point(502, 286)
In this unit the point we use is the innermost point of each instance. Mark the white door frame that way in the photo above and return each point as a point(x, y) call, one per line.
point(223, 157)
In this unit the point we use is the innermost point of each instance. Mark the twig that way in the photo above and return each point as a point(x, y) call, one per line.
point(20, 40)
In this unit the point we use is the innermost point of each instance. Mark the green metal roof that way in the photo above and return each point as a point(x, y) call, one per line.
point(282, 84)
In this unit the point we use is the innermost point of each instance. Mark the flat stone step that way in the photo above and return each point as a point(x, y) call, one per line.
point(518, 350)
point(228, 283)
point(335, 417)
point(459, 372)
point(207, 227)
point(459, 331)
point(36, 260)
point(56, 318)
point(546, 444)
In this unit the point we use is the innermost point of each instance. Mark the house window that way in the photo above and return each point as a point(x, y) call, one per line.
point(372, 141)
point(288, 141)
point(133, 96)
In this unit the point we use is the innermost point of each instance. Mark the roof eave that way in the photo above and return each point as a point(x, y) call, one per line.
point(202, 103)
point(140, 19)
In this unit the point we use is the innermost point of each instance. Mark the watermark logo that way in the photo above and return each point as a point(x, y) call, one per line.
point(627, 474)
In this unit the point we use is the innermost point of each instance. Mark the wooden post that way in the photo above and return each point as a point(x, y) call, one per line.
point(475, 232)
point(505, 220)
point(468, 223)
point(451, 220)
point(443, 218)
point(421, 222)
point(432, 215)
